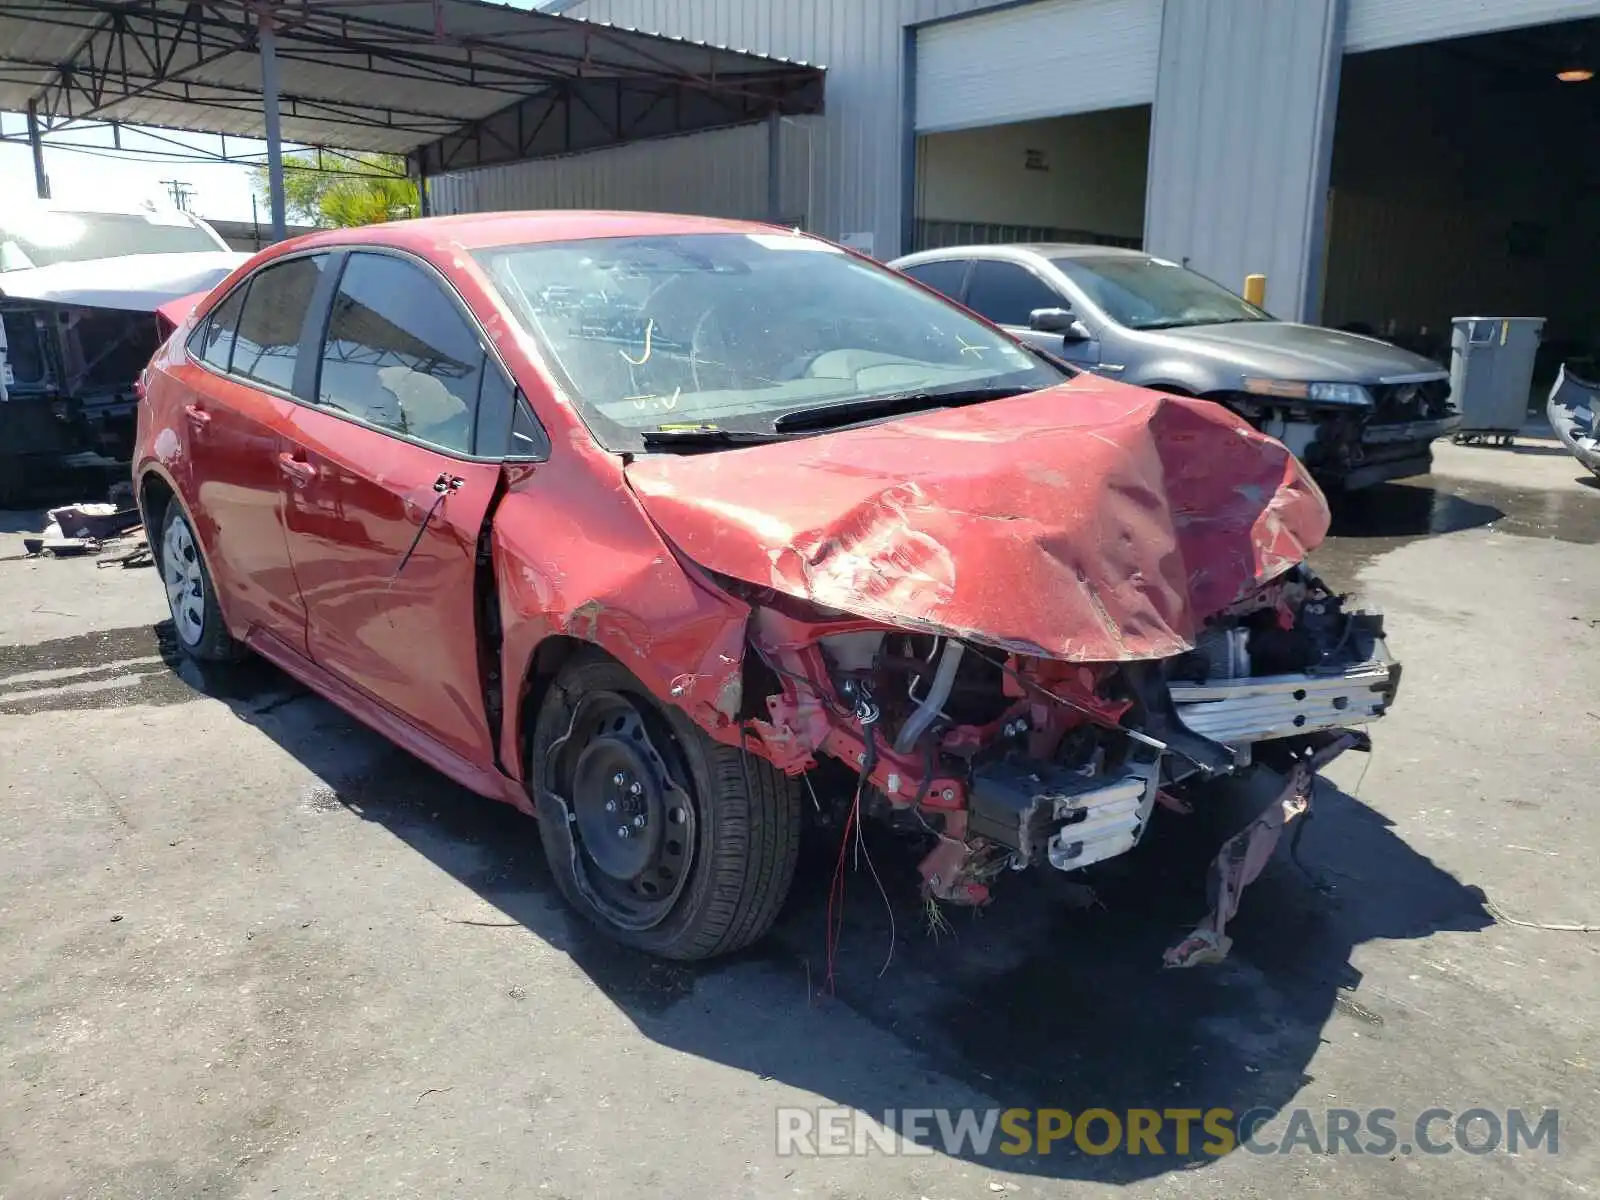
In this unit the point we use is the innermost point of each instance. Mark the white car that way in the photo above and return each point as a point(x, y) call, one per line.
point(79, 292)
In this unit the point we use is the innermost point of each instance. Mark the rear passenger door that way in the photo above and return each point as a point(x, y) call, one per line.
point(238, 379)
point(392, 480)
point(947, 276)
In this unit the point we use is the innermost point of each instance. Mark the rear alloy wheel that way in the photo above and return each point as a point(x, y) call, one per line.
point(666, 839)
point(191, 596)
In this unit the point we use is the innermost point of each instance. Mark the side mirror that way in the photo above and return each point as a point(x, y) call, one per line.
point(1051, 320)
point(1076, 332)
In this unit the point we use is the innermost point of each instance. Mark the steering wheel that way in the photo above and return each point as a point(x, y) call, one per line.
point(653, 306)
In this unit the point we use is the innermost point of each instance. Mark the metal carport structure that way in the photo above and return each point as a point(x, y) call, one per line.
point(450, 84)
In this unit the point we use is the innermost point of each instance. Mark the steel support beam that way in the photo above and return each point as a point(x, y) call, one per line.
point(774, 166)
point(268, 40)
point(41, 181)
point(567, 87)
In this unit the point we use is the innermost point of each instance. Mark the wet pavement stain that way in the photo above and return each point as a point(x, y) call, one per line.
point(140, 664)
point(1376, 520)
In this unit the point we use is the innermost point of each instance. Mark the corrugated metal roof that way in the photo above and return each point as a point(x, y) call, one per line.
point(390, 75)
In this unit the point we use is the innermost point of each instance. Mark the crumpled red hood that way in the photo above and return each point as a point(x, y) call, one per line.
point(1091, 522)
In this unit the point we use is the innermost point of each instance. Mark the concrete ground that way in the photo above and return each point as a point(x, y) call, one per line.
point(248, 949)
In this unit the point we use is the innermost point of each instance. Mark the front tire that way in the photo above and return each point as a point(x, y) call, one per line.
point(191, 596)
point(664, 838)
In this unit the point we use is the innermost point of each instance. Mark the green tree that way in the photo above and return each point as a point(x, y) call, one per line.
point(330, 200)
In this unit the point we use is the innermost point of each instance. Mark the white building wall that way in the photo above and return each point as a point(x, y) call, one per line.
point(987, 69)
point(1241, 141)
point(1239, 145)
point(719, 173)
point(856, 159)
point(1238, 148)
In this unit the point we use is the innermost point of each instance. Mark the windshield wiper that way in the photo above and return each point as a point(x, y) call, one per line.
point(848, 412)
point(701, 436)
point(1192, 323)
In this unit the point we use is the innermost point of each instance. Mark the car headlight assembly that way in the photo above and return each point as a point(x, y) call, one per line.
point(1341, 393)
point(1352, 394)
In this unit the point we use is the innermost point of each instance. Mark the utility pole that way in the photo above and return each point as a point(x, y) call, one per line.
point(180, 190)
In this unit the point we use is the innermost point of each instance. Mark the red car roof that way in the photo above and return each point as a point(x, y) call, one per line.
point(476, 230)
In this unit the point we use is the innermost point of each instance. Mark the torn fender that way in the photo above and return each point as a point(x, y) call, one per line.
point(572, 559)
point(1092, 522)
point(1574, 412)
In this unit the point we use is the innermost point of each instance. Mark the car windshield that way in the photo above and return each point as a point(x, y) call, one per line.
point(45, 237)
point(726, 332)
point(1152, 293)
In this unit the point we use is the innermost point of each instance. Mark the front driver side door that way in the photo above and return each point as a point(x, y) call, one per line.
point(1006, 292)
point(388, 502)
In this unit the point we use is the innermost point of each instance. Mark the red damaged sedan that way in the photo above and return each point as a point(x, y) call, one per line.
point(644, 523)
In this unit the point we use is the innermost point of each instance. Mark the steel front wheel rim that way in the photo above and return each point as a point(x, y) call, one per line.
point(631, 812)
point(185, 583)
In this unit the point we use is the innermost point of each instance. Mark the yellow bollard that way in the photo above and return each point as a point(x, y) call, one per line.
point(1255, 289)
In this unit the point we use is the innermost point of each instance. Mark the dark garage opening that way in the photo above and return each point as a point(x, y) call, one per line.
point(1077, 178)
point(1463, 184)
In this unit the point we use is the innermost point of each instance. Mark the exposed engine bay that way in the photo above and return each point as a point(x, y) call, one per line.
point(69, 382)
point(1009, 761)
point(81, 296)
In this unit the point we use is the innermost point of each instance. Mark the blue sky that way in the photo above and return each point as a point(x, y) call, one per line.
point(219, 191)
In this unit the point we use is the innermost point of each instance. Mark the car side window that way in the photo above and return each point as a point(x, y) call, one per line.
point(1007, 292)
point(944, 276)
point(213, 342)
point(275, 306)
point(399, 354)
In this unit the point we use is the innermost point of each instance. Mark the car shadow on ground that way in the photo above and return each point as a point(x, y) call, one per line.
point(1042, 1000)
point(1046, 999)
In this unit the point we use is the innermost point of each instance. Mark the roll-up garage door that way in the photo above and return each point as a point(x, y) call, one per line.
point(1376, 24)
point(1051, 58)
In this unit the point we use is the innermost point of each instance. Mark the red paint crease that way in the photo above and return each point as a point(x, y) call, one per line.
point(1091, 522)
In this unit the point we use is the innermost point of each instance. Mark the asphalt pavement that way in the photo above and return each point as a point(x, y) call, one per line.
point(249, 949)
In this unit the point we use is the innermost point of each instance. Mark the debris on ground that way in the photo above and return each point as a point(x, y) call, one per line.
point(1554, 926)
point(95, 522)
point(132, 551)
point(74, 530)
point(1243, 856)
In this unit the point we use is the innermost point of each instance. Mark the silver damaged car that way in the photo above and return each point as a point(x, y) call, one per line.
point(1356, 410)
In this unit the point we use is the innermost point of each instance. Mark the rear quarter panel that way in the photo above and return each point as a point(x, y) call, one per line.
point(160, 441)
point(160, 444)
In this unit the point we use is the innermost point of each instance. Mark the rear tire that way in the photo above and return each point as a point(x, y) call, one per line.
point(712, 832)
point(191, 596)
